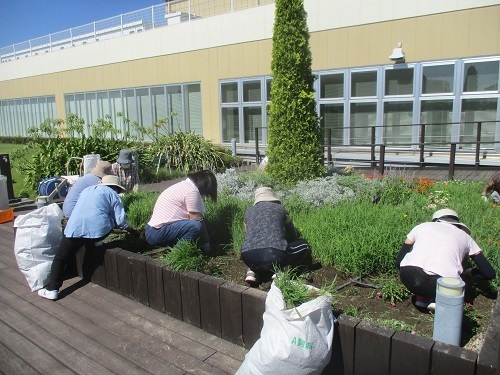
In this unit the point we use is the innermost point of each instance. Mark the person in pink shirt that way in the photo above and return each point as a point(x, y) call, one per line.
point(437, 249)
point(178, 212)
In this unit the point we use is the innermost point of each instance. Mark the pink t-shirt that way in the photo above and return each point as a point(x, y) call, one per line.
point(439, 249)
point(175, 204)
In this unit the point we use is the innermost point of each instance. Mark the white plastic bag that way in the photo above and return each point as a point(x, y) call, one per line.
point(293, 341)
point(38, 235)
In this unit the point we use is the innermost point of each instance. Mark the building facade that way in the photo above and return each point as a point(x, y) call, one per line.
point(213, 71)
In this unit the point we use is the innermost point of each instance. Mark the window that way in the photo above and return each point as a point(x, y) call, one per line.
point(331, 86)
point(438, 79)
point(229, 92)
point(363, 117)
point(143, 107)
point(251, 91)
point(437, 116)
point(481, 76)
point(474, 111)
point(192, 108)
point(363, 84)
point(230, 124)
point(332, 117)
point(18, 115)
point(397, 115)
point(399, 81)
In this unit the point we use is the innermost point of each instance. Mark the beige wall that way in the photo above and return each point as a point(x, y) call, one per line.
point(206, 8)
point(466, 33)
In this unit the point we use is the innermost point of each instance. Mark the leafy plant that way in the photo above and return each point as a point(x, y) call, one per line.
point(185, 256)
point(390, 287)
point(294, 149)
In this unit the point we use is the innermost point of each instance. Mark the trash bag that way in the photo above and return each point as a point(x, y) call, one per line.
point(293, 341)
point(38, 235)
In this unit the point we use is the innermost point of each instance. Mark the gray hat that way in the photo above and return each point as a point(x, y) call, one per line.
point(448, 216)
point(101, 169)
point(125, 157)
point(265, 194)
point(112, 180)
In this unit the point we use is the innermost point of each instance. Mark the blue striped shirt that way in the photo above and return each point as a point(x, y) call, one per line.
point(98, 210)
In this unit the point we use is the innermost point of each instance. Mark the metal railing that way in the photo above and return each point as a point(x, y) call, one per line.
point(379, 148)
point(165, 14)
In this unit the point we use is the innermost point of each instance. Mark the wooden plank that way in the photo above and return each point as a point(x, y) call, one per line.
point(231, 312)
point(154, 273)
point(139, 278)
point(112, 281)
point(190, 295)
point(224, 362)
point(410, 354)
point(11, 364)
point(124, 266)
point(253, 307)
point(162, 353)
point(210, 304)
point(487, 361)
point(450, 359)
point(51, 344)
point(39, 360)
point(347, 342)
point(372, 353)
point(172, 292)
point(87, 327)
point(96, 298)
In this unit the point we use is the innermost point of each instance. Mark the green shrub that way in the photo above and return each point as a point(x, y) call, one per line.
point(139, 207)
point(294, 149)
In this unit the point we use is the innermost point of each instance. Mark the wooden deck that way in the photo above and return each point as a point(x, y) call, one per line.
point(91, 330)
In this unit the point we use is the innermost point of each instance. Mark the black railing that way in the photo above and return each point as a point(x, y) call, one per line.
point(423, 146)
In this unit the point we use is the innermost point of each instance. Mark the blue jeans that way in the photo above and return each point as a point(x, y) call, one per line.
point(170, 234)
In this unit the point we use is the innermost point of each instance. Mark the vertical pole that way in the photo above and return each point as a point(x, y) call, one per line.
point(233, 146)
point(478, 145)
point(5, 170)
point(153, 16)
point(372, 147)
point(257, 156)
point(382, 160)
point(121, 24)
point(329, 145)
point(422, 141)
point(94, 31)
point(453, 150)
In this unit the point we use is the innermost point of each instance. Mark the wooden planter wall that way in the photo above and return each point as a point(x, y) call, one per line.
point(234, 312)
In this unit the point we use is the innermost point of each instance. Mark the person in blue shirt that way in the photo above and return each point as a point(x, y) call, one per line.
point(98, 210)
point(101, 169)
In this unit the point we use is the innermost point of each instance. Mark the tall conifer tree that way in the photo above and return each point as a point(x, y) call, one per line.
point(294, 136)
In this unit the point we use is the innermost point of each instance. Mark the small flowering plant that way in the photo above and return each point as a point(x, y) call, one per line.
point(438, 198)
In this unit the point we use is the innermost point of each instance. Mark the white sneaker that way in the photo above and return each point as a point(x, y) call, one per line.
point(274, 277)
point(49, 294)
point(250, 277)
point(431, 306)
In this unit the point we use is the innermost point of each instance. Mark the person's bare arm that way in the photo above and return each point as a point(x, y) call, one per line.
point(194, 215)
point(487, 187)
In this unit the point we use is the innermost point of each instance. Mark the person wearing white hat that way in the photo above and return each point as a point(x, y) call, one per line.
point(101, 169)
point(437, 249)
point(270, 238)
point(98, 210)
point(126, 170)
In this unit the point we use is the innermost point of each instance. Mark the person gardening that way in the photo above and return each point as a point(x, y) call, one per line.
point(178, 212)
point(101, 169)
point(270, 238)
point(437, 249)
point(126, 170)
point(98, 210)
point(493, 189)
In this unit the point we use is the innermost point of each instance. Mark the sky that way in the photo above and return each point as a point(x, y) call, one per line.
point(21, 20)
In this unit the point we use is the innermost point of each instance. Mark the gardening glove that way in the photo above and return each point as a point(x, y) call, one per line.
point(135, 233)
point(485, 198)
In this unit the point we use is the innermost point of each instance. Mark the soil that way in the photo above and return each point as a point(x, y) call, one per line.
point(362, 301)
point(353, 298)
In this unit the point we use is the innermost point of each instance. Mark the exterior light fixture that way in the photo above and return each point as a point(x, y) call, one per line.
point(398, 56)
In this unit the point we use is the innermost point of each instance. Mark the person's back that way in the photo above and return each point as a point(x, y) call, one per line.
point(75, 191)
point(96, 213)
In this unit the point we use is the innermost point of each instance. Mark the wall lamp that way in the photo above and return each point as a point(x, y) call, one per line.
point(398, 56)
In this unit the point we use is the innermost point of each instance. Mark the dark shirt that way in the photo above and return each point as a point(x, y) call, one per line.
point(265, 227)
point(493, 184)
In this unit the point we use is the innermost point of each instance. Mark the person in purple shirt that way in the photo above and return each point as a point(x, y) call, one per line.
point(98, 210)
point(101, 169)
